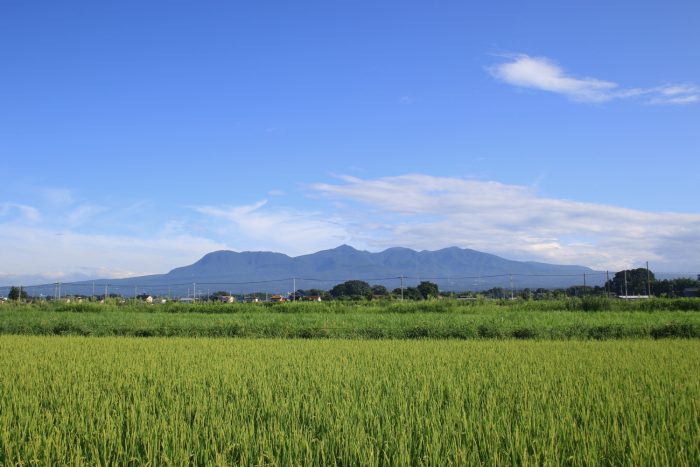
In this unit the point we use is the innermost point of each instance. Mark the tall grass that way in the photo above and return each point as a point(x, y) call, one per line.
point(588, 304)
point(499, 324)
point(121, 401)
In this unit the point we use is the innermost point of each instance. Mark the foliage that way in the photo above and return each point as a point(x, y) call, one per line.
point(77, 401)
point(428, 290)
point(631, 282)
point(587, 318)
point(16, 293)
point(352, 289)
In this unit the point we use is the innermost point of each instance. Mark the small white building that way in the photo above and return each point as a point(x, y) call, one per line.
point(633, 297)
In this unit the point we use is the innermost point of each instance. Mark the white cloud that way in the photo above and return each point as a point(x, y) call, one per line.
point(50, 253)
point(544, 74)
point(57, 196)
point(83, 213)
point(21, 212)
point(283, 229)
point(426, 212)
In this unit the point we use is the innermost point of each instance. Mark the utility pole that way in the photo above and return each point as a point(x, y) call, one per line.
point(19, 297)
point(401, 288)
point(294, 286)
point(93, 292)
point(607, 281)
point(584, 283)
point(105, 300)
point(194, 292)
point(512, 290)
point(59, 290)
point(625, 282)
point(648, 281)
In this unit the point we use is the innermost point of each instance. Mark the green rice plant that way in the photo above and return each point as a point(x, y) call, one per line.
point(125, 401)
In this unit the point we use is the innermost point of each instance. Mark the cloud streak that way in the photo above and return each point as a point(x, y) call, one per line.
point(544, 74)
point(45, 254)
point(282, 229)
point(26, 213)
point(427, 212)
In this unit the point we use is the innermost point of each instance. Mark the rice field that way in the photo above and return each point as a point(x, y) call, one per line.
point(159, 401)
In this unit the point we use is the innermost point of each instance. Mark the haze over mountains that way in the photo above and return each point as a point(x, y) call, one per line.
point(451, 268)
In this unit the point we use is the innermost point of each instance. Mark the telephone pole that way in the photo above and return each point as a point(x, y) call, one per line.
point(648, 281)
point(512, 291)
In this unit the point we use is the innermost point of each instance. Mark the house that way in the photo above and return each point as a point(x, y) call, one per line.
point(296, 296)
point(145, 298)
point(186, 300)
point(227, 298)
point(313, 298)
point(278, 299)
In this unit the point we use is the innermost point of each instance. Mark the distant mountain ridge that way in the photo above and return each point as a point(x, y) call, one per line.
point(451, 268)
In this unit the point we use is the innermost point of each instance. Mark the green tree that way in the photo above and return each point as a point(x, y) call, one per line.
point(636, 280)
point(673, 287)
point(379, 290)
point(16, 293)
point(428, 290)
point(353, 289)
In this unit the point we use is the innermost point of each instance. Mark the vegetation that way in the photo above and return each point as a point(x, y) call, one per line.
point(352, 289)
point(117, 401)
point(16, 293)
point(589, 318)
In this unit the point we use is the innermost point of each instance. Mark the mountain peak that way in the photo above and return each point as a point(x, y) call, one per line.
point(452, 268)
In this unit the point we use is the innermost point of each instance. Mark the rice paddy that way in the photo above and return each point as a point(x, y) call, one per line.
point(159, 401)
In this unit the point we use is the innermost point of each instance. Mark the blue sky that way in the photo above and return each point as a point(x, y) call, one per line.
point(137, 136)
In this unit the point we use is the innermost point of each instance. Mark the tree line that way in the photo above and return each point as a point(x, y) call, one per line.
point(638, 281)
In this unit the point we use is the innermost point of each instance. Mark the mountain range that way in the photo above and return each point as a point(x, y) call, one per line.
point(452, 268)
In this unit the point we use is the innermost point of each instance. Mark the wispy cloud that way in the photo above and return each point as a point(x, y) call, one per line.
point(84, 213)
point(56, 195)
point(47, 253)
point(20, 212)
point(427, 212)
point(283, 229)
point(542, 73)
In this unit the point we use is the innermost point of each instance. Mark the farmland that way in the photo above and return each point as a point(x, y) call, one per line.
point(353, 383)
point(368, 320)
point(86, 400)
